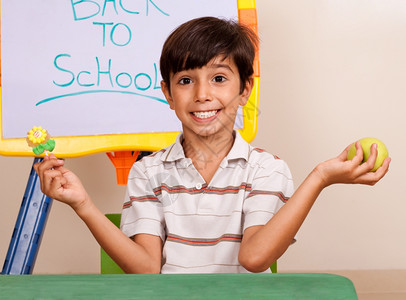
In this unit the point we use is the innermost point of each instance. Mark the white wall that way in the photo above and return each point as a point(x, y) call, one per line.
point(331, 72)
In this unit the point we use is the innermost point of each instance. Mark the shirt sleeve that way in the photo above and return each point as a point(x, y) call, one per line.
point(142, 210)
point(272, 186)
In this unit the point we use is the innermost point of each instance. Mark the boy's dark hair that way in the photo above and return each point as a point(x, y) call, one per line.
point(196, 42)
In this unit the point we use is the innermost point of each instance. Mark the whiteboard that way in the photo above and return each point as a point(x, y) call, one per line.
point(84, 68)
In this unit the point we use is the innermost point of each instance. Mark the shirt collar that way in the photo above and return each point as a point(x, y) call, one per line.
point(239, 150)
point(175, 151)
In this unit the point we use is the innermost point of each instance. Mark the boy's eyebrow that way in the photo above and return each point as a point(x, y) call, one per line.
point(212, 66)
point(226, 66)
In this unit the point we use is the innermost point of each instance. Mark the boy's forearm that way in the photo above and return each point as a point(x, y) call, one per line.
point(130, 256)
point(270, 241)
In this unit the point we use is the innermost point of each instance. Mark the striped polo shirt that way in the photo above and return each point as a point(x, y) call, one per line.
point(201, 224)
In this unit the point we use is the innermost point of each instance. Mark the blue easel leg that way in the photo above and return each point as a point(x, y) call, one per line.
point(30, 225)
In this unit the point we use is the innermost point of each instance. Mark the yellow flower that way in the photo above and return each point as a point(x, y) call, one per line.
point(36, 136)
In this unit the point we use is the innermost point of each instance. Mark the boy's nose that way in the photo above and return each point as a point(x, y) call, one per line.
point(203, 92)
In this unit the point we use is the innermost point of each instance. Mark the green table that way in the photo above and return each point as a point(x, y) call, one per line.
point(184, 286)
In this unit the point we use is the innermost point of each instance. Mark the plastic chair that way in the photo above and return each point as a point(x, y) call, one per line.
point(108, 266)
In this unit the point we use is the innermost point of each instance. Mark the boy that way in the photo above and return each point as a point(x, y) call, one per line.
point(210, 202)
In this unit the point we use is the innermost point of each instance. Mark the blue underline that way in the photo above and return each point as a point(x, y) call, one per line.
point(99, 91)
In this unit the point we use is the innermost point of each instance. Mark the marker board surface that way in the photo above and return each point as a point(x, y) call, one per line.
point(88, 71)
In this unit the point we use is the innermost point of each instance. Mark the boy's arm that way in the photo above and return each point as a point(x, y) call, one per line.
point(263, 245)
point(141, 255)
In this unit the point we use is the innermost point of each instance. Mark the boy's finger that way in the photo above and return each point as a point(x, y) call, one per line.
point(56, 184)
point(36, 166)
point(360, 152)
point(48, 163)
point(48, 178)
point(343, 155)
point(370, 163)
point(372, 178)
point(359, 155)
point(43, 170)
point(382, 170)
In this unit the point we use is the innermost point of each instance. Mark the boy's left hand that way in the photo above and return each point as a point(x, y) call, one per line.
point(341, 170)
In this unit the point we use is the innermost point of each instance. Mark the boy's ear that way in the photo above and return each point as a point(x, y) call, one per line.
point(246, 93)
point(167, 94)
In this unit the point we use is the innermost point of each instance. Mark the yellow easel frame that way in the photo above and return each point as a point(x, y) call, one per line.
point(84, 145)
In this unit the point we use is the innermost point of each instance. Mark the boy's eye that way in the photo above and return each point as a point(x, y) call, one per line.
point(219, 78)
point(185, 81)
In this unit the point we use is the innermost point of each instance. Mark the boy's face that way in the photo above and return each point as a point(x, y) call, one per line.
point(206, 99)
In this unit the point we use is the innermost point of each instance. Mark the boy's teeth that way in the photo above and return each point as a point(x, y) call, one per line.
point(205, 114)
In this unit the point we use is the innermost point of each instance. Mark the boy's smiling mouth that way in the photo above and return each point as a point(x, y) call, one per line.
point(205, 114)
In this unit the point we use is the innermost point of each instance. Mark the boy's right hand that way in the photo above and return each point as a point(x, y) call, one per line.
point(60, 183)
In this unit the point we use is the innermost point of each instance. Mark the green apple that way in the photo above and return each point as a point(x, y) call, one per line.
point(366, 144)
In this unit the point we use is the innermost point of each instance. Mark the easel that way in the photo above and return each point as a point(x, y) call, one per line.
point(29, 227)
